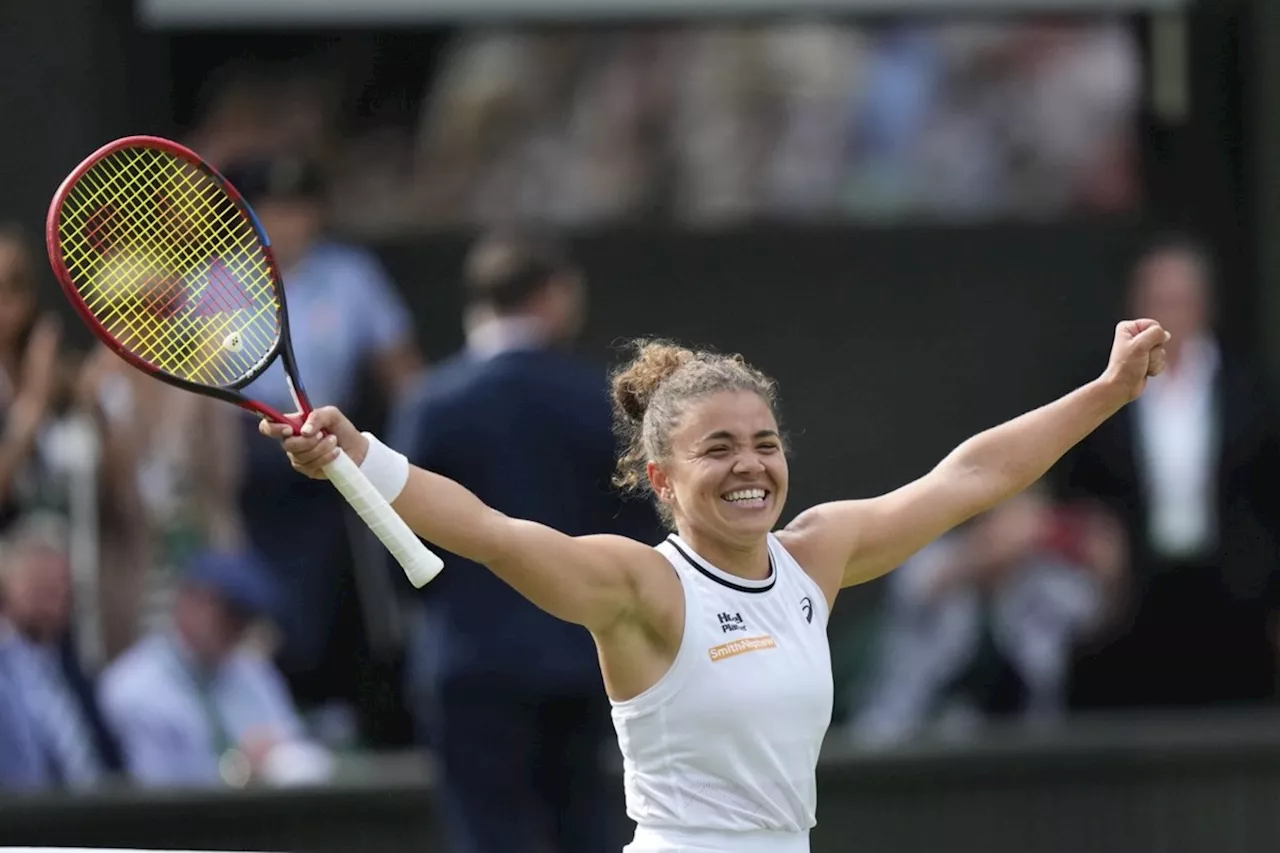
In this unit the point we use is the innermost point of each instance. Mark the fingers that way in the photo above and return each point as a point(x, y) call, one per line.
point(311, 453)
point(311, 443)
point(1152, 336)
point(325, 419)
point(1156, 364)
point(271, 429)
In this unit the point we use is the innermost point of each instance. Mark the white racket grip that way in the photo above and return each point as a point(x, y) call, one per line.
point(418, 562)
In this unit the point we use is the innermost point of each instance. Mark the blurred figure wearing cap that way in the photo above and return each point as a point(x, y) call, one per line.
point(347, 322)
point(194, 705)
point(511, 698)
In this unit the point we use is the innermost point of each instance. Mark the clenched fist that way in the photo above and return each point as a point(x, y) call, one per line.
point(1137, 353)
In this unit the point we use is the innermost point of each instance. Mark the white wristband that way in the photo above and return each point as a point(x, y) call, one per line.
point(385, 468)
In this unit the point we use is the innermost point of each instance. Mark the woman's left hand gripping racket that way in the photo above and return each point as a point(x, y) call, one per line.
point(169, 266)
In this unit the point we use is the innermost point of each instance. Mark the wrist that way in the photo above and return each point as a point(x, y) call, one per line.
point(386, 469)
point(1110, 392)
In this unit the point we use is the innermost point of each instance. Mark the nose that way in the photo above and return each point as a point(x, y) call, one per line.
point(748, 463)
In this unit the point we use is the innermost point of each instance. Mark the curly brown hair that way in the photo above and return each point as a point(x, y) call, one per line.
point(653, 390)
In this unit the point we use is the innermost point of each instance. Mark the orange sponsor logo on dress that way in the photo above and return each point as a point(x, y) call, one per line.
point(741, 647)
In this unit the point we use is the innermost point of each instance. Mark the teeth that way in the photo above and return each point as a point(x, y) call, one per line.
point(746, 495)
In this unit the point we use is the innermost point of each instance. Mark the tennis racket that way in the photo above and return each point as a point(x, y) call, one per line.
point(170, 267)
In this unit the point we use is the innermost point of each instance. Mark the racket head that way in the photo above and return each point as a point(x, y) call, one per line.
point(169, 266)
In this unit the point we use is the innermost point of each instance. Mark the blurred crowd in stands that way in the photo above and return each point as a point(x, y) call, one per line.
point(718, 124)
point(211, 618)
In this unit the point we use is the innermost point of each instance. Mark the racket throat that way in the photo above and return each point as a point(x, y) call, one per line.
point(297, 398)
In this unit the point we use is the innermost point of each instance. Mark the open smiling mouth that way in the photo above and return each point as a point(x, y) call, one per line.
point(746, 498)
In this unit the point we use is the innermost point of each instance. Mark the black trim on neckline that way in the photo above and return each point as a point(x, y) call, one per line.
point(773, 571)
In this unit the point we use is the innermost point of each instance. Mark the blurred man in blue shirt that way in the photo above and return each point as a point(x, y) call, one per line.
point(192, 705)
point(347, 323)
point(510, 697)
point(55, 732)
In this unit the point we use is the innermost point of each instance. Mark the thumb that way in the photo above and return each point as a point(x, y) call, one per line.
point(322, 420)
point(1151, 337)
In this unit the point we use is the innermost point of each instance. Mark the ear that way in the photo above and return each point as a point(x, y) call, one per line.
point(660, 482)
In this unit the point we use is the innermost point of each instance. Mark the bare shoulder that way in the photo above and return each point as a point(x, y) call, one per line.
point(819, 540)
point(654, 582)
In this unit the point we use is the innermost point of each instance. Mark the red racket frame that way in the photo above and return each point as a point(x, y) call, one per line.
point(283, 347)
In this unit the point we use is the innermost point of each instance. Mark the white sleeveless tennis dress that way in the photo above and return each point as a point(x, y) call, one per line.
point(720, 755)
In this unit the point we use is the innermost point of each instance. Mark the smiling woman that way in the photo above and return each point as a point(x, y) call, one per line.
point(713, 645)
point(652, 396)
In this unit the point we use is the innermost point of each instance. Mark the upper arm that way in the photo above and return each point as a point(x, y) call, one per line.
point(595, 581)
point(851, 542)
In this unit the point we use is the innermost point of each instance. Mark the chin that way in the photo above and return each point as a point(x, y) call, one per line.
point(749, 525)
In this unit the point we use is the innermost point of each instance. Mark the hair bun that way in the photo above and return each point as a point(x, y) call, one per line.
point(636, 383)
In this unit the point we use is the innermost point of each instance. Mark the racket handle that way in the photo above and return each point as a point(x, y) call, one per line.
point(418, 562)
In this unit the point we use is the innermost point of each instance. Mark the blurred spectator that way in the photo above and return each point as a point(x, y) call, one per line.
point(23, 766)
point(160, 504)
point(348, 324)
point(512, 701)
point(981, 624)
point(64, 721)
point(33, 383)
point(1191, 470)
point(195, 705)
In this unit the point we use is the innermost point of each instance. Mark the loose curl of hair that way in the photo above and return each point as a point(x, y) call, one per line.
point(654, 390)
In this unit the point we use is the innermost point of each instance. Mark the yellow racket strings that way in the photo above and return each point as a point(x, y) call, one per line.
point(168, 264)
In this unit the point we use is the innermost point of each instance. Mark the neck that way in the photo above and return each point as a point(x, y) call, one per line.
point(747, 561)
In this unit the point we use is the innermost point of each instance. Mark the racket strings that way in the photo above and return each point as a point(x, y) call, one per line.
point(160, 337)
point(170, 266)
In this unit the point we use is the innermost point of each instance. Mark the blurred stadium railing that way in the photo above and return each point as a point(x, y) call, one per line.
point(1110, 787)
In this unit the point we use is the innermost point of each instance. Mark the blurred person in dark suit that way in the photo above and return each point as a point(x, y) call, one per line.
point(1192, 471)
point(511, 698)
point(348, 324)
point(73, 746)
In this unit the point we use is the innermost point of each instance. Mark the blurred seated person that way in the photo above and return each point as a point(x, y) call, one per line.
point(980, 625)
point(349, 325)
point(72, 746)
point(196, 705)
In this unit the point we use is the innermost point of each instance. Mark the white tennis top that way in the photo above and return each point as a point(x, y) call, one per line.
point(721, 753)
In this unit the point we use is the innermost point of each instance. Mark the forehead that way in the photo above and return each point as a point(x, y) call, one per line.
point(739, 413)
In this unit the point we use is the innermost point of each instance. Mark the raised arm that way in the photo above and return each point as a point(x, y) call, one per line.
point(590, 580)
point(850, 542)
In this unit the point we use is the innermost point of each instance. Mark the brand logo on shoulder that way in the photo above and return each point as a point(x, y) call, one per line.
point(806, 607)
point(732, 622)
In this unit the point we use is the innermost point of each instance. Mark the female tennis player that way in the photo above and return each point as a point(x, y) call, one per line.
point(713, 644)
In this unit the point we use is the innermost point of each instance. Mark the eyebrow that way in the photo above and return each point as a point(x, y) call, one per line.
point(725, 435)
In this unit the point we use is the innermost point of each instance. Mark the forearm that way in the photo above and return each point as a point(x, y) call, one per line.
point(449, 515)
point(1006, 459)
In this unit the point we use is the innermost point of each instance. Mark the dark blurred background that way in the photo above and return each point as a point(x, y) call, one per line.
point(922, 218)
